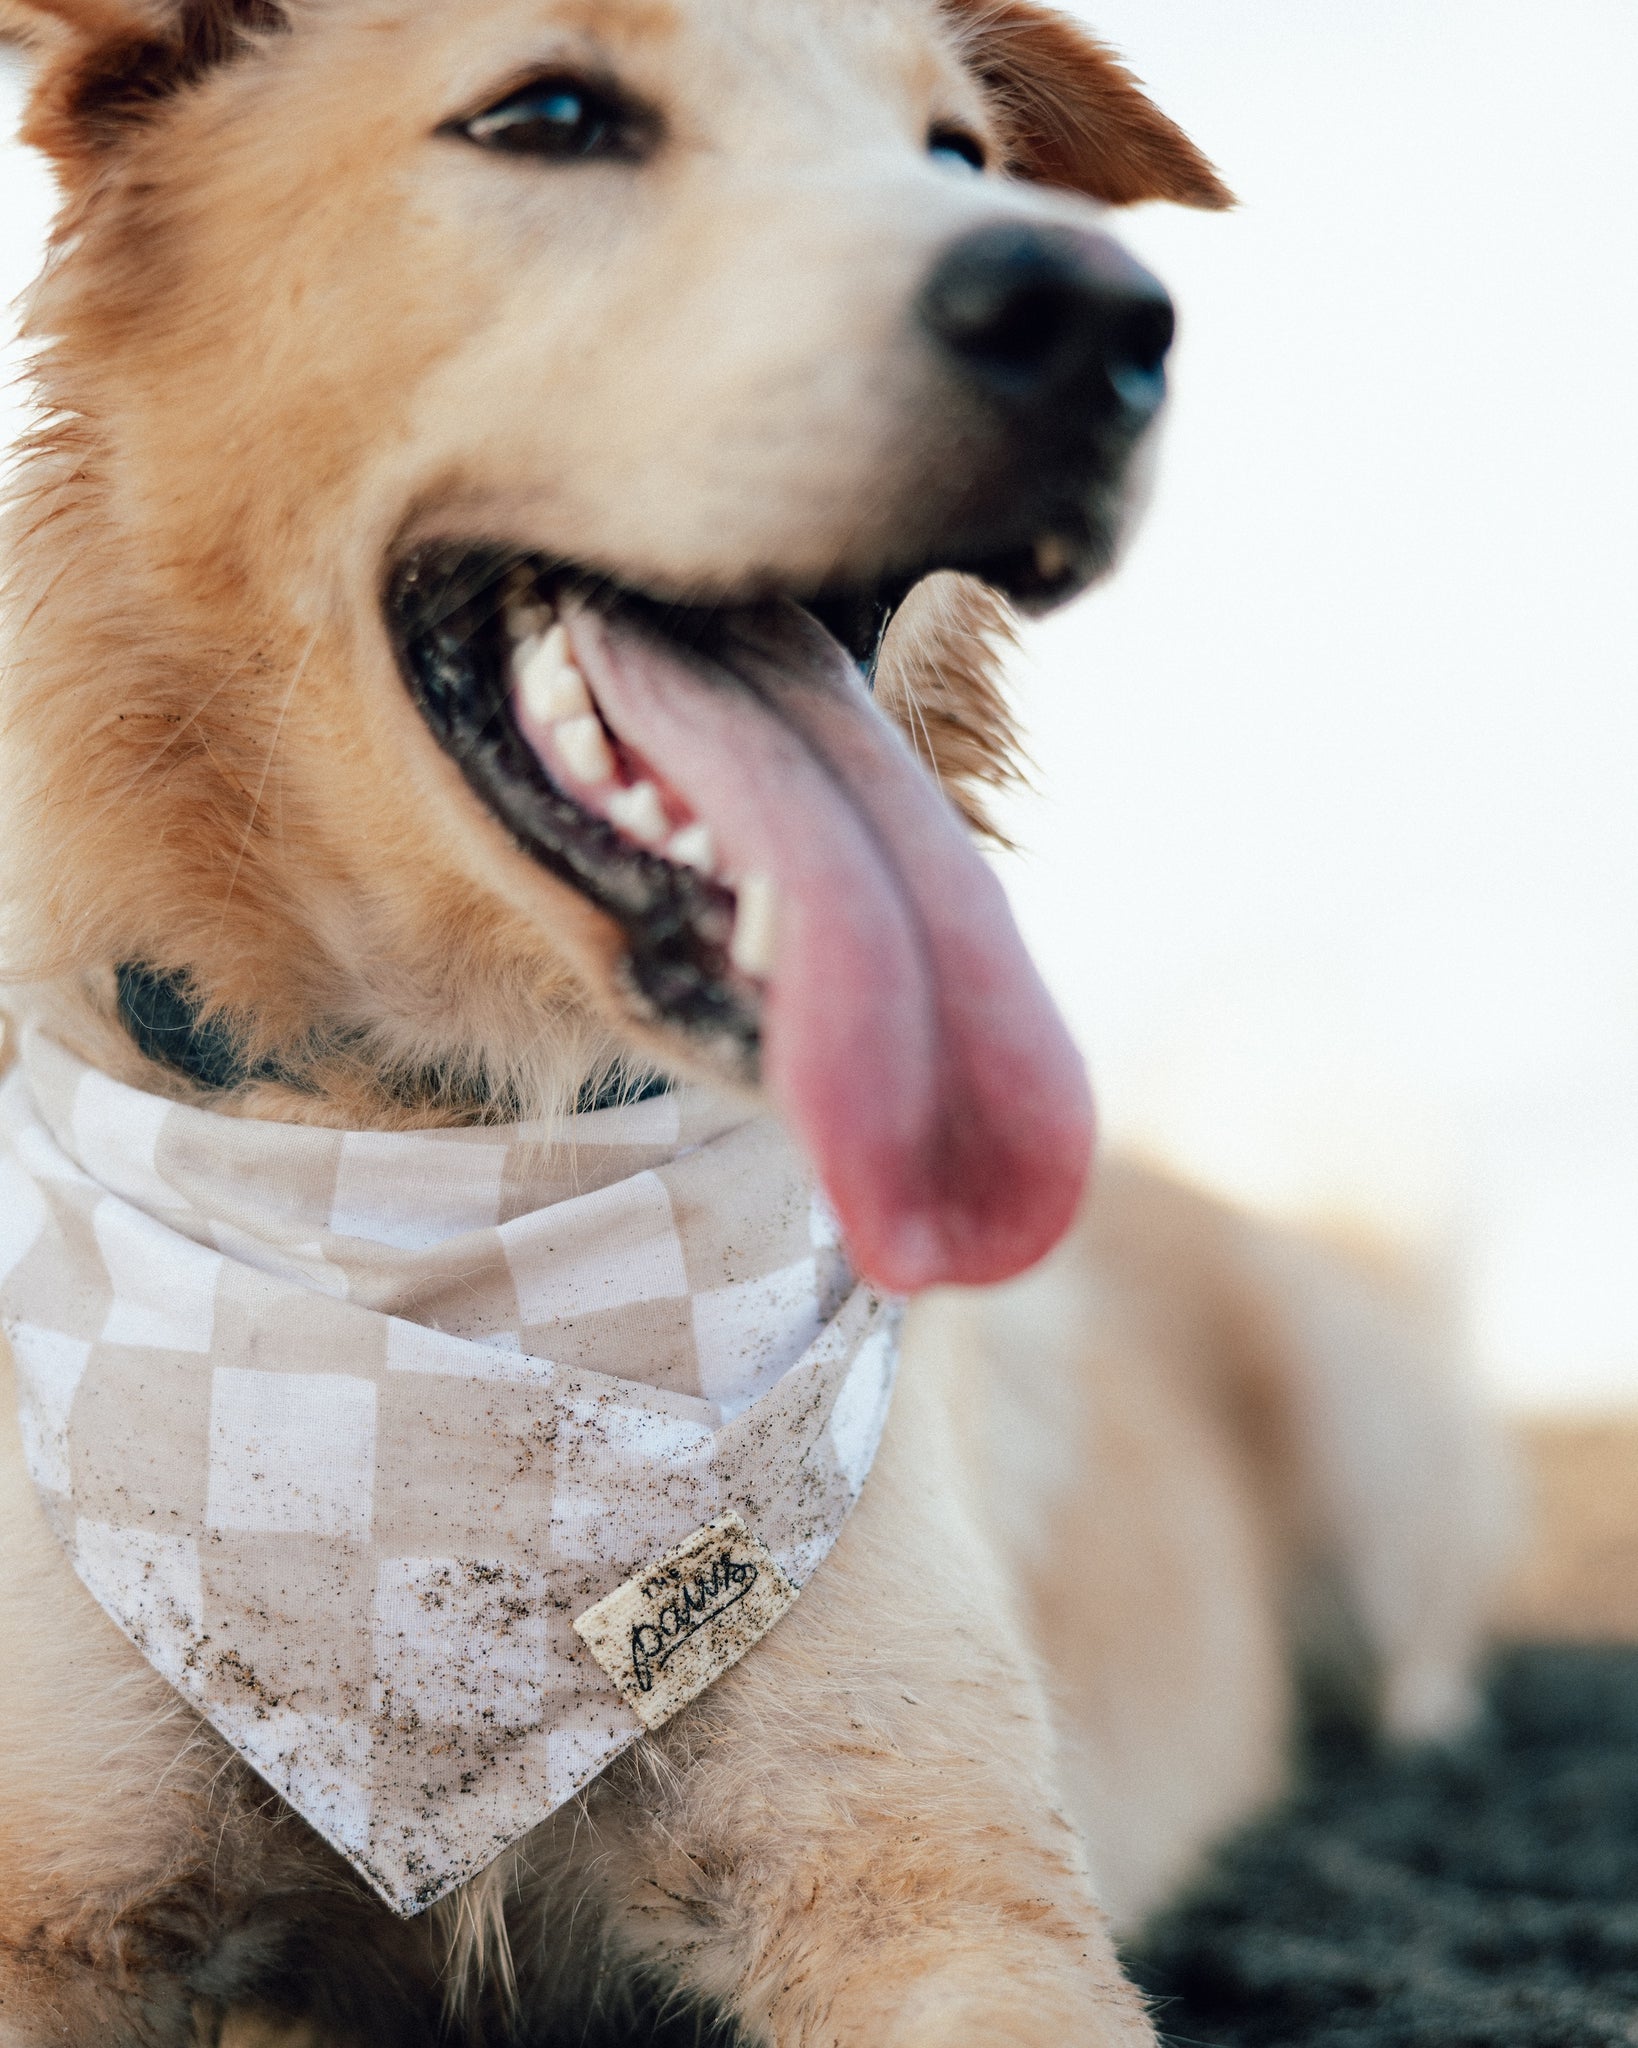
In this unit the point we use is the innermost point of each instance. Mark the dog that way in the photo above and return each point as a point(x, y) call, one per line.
point(676, 376)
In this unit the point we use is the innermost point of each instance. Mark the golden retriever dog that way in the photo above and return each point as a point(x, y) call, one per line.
point(505, 600)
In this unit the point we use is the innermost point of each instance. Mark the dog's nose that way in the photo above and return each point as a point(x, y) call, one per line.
point(1040, 318)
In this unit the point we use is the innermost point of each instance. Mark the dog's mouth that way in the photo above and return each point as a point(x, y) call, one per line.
point(796, 901)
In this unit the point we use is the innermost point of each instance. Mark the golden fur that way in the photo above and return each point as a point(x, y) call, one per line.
point(275, 351)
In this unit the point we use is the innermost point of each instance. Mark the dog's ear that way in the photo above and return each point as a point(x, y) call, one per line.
point(1074, 116)
point(105, 64)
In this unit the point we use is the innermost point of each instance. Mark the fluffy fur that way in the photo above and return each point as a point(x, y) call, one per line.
point(1049, 1659)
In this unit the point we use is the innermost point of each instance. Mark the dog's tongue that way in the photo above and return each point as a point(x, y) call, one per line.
point(907, 1038)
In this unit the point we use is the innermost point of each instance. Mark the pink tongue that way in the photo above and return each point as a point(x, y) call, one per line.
point(906, 1036)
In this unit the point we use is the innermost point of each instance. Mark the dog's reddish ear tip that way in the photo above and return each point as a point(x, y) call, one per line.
point(1125, 153)
point(1074, 116)
point(1162, 164)
point(1209, 194)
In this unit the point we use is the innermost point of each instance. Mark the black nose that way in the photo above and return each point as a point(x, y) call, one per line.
point(1043, 317)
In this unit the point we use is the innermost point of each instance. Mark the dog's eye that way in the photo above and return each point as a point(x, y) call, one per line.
point(959, 150)
point(563, 119)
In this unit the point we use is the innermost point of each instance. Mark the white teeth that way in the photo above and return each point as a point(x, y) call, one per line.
point(693, 847)
point(551, 686)
point(585, 749)
point(755, 919)
point(639, 813)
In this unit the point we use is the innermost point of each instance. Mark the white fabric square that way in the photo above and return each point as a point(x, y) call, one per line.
point(320, 1764)
point(598, 1251)
point(23, 1215)
point(824, 1231)
point(860, 1413)
point(50, 1366)
point(151, 1584)
point(747, 1334)
point(291, 1452)
point(583, 1739)
point(456, 1189)
point(119, 1129)
point(465, 1641)
point(412, 1347)
point(604, 1490)
point(636, 1440)
point(45, 1159)
point(657, 1122)
point(164, 1285)
point(304, 1265)
point(582, 1516)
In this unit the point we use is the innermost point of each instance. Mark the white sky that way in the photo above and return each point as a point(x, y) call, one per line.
point(1334, 863)
point(1336, 869)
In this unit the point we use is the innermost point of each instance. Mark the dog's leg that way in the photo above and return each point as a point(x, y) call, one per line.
point(1211, 1446)
point(854, 1838)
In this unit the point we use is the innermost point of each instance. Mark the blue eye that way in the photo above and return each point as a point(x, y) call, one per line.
point(956, 150)
point(563, 120)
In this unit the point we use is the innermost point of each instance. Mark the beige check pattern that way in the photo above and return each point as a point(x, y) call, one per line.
point(344, 1429)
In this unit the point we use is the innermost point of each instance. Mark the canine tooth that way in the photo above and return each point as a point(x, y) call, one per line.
point(755, 917)
point(570, 697)
point(585, 749)
point(639, 813)
point(551, 686)
point(693, 847)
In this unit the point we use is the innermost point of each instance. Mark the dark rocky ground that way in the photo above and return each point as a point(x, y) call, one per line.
point(1479, 1896)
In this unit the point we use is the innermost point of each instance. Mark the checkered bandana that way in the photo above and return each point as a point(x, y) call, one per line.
point(345, 1429)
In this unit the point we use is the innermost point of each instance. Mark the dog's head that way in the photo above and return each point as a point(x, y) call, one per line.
point(495, 450)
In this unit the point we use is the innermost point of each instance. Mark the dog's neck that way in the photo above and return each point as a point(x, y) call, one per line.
point(169, 1028)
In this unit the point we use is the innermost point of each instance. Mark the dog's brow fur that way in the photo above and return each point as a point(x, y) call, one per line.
point(126, 76)
point(645, 21)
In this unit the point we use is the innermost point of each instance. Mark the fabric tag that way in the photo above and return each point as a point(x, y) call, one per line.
point(671, 1631)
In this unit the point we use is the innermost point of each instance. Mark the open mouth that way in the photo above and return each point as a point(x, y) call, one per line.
point(482, 642)
point(484, 649)
point(795, 897)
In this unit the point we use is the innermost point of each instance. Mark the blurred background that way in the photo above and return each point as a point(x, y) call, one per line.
point(1332, 853)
